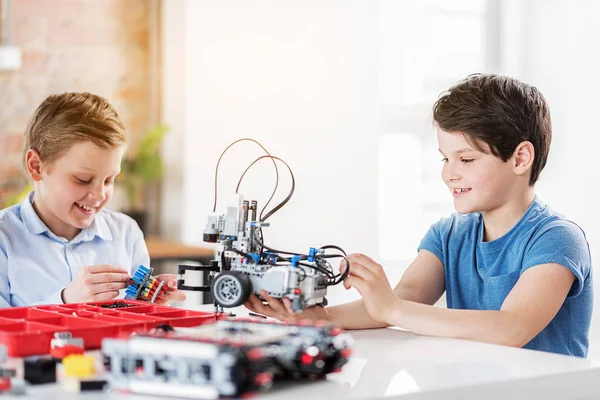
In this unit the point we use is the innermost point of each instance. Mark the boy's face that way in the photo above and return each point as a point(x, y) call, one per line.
point(76, 187)
point(478, 181)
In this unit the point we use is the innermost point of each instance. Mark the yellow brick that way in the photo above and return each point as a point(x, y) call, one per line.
point(79, 366)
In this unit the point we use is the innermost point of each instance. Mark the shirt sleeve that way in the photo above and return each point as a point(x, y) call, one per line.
point(433, 240)
point(562, 242)
point(4, 284)
point(55, 298)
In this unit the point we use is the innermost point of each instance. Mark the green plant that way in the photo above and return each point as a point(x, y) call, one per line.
point(142, 167)
point(16, 197)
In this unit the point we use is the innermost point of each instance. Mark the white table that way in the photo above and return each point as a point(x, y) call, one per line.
point(394, 364)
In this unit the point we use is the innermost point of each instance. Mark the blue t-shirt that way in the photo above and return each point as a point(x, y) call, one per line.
point(479, 275)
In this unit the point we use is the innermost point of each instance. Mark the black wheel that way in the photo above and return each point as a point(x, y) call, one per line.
point(231, 288)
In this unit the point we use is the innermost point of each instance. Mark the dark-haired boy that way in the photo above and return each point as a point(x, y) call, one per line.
point(515, 272)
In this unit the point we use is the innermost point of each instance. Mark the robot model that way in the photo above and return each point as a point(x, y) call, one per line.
point(244, 264)
point(228, 358)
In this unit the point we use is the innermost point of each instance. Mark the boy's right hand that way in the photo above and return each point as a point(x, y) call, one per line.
point(281, 309)
point(96, 283)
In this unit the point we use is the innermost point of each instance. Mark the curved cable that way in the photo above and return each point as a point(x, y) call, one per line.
point(274, 164)
point(289, 196)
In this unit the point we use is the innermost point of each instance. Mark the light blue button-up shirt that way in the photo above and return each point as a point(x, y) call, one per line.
point(35, 264)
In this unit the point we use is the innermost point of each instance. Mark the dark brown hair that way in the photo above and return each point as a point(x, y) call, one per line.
point(63, 120)
point(500, 112)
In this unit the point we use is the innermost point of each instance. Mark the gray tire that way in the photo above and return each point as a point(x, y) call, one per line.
point(231, 288)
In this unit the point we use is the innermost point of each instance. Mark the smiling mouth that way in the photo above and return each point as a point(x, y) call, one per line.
point(460, 190)
point(86, 208)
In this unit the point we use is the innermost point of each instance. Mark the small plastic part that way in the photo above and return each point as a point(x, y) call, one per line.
point(79, 366)
point(231, 288)
point(6, 374)
point(74, 385)
point(64, 344)
point(67, 350)
point(40, 370)
point(311, 254)
point(145, 287)
point(117, 304)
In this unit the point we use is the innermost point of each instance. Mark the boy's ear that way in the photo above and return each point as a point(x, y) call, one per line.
point(523, 158)
point(33, 163)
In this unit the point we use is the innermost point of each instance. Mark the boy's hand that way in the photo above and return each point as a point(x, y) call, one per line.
point(173, 294)
point(281, 309)
point(96, 283)
point(369, 279)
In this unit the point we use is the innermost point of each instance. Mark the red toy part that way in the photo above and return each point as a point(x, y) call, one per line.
point(62, 352)
point(27, 331)
point(5, 384)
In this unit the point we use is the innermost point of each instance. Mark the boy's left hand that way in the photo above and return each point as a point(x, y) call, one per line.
point(173, 294)
point(369, 279)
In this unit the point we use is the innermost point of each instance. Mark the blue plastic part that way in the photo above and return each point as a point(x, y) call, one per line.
point(140, 274)
point(255, 257)
point(295, 260)
point(311, 254)
point(140, 279)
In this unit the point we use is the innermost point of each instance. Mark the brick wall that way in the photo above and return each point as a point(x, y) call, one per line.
point(99, 46)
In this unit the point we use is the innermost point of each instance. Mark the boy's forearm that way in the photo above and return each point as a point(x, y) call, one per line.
point(353, 315)
point(490, 326)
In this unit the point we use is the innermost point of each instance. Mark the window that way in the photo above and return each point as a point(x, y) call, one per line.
point(426, 47)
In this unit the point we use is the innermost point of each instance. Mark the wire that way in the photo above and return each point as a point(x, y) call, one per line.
point(289, 196)
point(217, 172)
point(333, 279)
point(263, 246)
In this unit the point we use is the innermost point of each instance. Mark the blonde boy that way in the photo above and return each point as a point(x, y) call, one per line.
point(60, 245)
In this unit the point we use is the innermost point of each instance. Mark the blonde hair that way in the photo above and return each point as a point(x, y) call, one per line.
point(63, 120)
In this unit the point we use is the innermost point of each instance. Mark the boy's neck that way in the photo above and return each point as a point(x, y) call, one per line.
point(53, 223)
point(501, 220)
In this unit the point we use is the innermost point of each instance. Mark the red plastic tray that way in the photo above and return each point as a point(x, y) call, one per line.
point(27, 331)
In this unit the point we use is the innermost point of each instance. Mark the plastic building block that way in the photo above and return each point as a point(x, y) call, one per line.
point(67, 350)
point(17, 387)
point(64, 344)
point(40, 370)
point(226, 359)
point(28, 331)
point(116, 304)
point(5, 373)
point(5, 384)
point(145, 287)
point(73, 385)
point(79, 366)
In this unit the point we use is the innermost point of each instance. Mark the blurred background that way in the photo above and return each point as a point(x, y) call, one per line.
point(341, 90)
